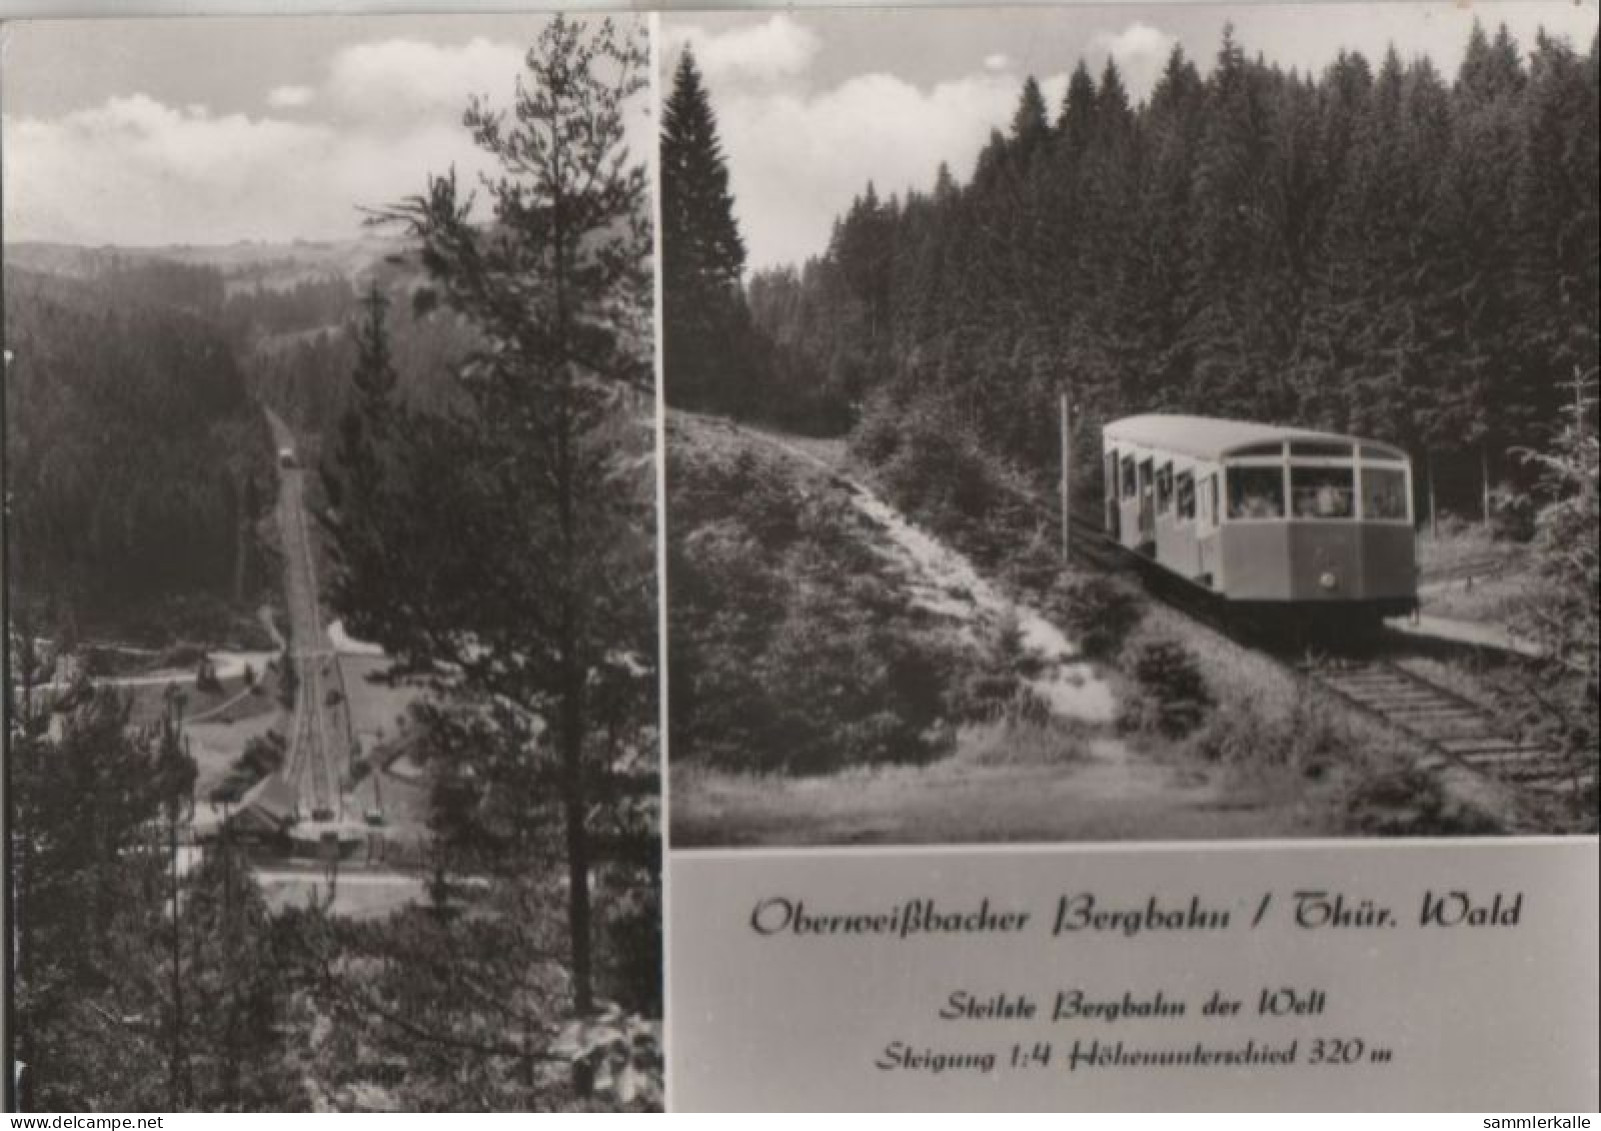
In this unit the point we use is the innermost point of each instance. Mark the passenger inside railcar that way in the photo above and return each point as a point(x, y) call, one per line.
point(1256, 492)
point(1383, 493)
point(1322, 492)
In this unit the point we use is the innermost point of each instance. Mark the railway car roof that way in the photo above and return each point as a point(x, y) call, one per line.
point(1209, 437)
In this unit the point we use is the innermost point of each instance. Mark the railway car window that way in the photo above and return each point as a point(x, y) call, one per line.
point(1128, 477)
point(1322, 492)
point(1273, 449)
point(1164, 488)
point(1370, 452)
point(1322, 448)
point(1383, 493)
point(1184, 487)
point(1256, 492)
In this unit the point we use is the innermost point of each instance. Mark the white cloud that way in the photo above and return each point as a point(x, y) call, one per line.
point(1141, 52)
point(290, 97)
point(1000, 61)
point(795, 162)
point(133, 170)
point(777, 48)
point(396, 80)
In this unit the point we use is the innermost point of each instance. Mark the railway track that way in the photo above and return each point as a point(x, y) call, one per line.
point(311, 766)
point(1452, 727)
point(1449, 724)
point(318, 736)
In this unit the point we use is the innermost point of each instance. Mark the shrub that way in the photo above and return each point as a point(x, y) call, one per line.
point(1029, 739)
point(838, 688)
point(1096, 611)
point(790, 650)
point(1411, 802)
point(288, 680)
point(1307, 737)
point(261, 756)
point(1512, 513)
point(994, 678)
point(1561, 611)
point(265, 754)
point(940, 477)
point(1170, 696)
point(877, 437)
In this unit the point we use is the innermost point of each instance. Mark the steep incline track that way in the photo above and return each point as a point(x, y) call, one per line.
point(318, 744)
point(1450, 724)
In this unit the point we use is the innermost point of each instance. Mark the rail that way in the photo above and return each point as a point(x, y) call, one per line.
point(1443, 720)
point(309, 764)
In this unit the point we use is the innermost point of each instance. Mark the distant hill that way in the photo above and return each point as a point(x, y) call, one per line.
point(244, 265)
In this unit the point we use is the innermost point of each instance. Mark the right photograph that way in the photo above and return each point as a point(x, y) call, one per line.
point(1130, 423)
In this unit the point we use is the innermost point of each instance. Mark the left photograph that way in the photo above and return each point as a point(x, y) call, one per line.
point(332, 716)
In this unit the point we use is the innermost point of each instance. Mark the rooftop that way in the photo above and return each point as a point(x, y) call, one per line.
point(1208, 437)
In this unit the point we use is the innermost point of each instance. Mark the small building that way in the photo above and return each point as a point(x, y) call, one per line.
point(267, 810)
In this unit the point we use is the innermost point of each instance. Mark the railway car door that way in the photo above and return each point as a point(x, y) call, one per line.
point(1147, 543)
point(1206, 527)
point(1113, 511)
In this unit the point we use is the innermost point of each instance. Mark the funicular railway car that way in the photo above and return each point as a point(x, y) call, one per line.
point(1272, 522)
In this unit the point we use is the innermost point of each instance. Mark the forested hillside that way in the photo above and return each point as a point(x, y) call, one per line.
point(299, 355)
point(134, 425)
point(130, 431)
point(1379, 248)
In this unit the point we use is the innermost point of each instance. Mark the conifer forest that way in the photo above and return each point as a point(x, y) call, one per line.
point(450, 463)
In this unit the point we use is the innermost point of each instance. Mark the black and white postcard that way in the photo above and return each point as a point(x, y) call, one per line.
point(965, 558)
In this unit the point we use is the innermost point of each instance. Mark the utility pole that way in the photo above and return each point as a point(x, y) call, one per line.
point(1434, 516)
point(175, 1085)
point(1484, 477)
point(174, 761)
point(1067, 476)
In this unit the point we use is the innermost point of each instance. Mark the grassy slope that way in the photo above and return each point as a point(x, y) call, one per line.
point(1468, 575)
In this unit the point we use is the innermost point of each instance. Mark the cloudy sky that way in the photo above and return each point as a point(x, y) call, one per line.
point(210, 131)
point(812, 105)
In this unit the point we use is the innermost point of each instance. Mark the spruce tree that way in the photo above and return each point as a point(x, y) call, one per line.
point(1077, 118)
point(354, 478)
point(703, 256)
point(1029, 124)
